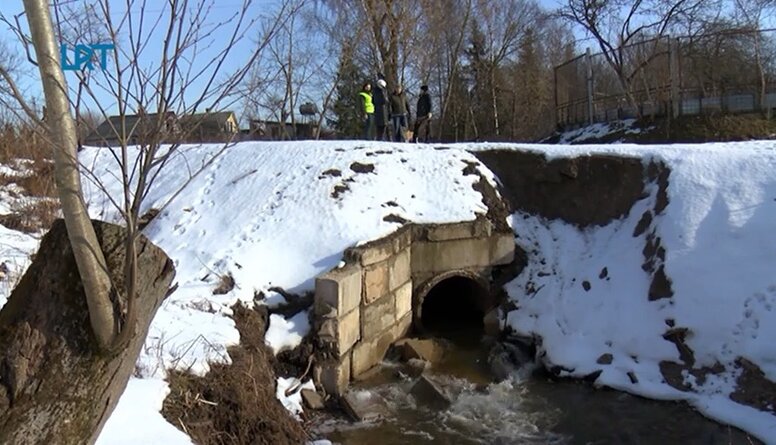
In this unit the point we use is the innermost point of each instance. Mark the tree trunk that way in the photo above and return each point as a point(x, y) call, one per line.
point(61, 128)
point(56, 387)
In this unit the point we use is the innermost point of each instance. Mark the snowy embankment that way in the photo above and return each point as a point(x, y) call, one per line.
point(265, 213)
point(585, 294)
point(268, 214)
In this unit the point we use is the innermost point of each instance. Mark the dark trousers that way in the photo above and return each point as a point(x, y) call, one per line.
point(369, 127)
point(422, 129)
point(399, 124)
point(381, 133)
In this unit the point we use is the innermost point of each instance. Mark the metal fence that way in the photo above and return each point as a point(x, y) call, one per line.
point(725, 72)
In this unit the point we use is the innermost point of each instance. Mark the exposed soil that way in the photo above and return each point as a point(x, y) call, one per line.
point(362, 168)
point(235, 404)
point(587, 190)
point(498, 209)
point(330, 172)
point(753, 388)
point(394, 218)
point(708, 128)
point(690, 129)
point(339, 189)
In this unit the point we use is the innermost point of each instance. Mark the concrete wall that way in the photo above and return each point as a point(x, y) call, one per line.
point(365, 306)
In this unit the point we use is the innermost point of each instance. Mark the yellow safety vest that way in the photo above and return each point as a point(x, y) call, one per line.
point(369, 107)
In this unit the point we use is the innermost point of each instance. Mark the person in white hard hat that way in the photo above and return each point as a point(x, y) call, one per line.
point(381, 108)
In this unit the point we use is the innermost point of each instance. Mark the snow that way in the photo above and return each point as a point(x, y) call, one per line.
point(264, 213)
point(284, 334)
point(599, 130)
point(141, 400)
point(720, 255)
point(15, 251)
point(293, 401)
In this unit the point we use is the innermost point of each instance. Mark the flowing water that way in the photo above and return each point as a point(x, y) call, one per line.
point(526, 409)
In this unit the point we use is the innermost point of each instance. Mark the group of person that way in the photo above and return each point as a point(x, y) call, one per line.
point(387, 117)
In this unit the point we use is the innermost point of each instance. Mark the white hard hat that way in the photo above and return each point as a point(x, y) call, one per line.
point(382, 83)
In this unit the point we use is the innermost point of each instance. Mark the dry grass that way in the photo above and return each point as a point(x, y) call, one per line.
point(234, 404)
point(32, 216)
point(33, 191)
point(20, 141)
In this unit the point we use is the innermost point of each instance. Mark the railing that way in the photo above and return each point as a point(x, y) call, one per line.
point(713, 73)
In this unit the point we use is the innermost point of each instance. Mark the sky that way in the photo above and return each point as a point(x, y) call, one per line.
point(219, 25)
point(222, 11)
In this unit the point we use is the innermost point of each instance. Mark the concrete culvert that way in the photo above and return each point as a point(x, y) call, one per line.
point(454, 308)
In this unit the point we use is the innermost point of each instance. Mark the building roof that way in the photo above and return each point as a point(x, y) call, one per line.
point(215, 119)
point(135, 126)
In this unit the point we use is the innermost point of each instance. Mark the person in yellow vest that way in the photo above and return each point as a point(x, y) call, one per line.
point(368, 109)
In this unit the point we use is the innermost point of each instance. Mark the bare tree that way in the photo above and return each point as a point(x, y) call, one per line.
point(616, 24)
point(503, 25)
point(752, 13)
point(189, 74)
point(446, 23)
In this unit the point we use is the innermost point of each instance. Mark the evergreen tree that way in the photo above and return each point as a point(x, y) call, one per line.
point(530, 90)
point(348, 119)
point(478, 71)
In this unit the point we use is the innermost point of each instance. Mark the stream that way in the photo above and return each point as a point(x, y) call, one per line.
point(527, 408)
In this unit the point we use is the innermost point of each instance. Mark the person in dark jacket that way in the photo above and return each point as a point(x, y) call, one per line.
point(400, 112)
point(381, 109)
point(423, 117)
point(367, 110)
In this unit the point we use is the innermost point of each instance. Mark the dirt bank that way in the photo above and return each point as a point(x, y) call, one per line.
point(235, 404)
point(583, 191)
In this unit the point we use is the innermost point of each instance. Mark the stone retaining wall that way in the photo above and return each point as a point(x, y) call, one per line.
point(365, 306)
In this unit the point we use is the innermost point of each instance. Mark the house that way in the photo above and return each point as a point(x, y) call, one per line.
point(274, 130)
point(218, 126)
point(209, 126)
point(137, 128)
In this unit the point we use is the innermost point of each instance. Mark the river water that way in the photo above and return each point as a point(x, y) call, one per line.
point(528, 408)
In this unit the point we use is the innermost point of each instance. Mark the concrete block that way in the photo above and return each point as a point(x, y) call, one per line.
point(502, 248)
point(378, 316)
point(339, 334)
point(428, 350)
point(339, 289)
point(426, 391)
point(445, 232)
point(403, 296)
point(365, 406)
point(448, 255)
point(348, 331)
point(377, 251)
point(402, 327)
point(400, 269)
point(368, 353)
point(375, 282)
point(482, 228)
point(333, 375)
point(312, 399)
point(402, 239)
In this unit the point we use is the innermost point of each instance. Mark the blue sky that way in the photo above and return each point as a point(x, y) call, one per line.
point(221, 11)
point(212, 43)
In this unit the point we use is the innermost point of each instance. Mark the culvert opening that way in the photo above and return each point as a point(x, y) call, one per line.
point(454, 308)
